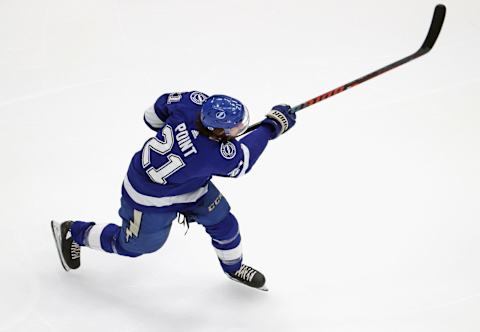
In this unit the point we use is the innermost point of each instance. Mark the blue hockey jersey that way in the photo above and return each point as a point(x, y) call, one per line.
point(174, 167)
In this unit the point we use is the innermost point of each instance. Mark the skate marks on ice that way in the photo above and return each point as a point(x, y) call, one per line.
point(137, 302)
point(19, 286)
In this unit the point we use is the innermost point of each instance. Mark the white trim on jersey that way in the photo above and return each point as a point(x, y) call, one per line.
point(152, 118)
point(230, 254)
point(93, 237)
point(145, 200)
point(246, 159)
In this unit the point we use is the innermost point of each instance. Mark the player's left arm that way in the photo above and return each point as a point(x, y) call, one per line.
point(152, 120)
point(156, 115)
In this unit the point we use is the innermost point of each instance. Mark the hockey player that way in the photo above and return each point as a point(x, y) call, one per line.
point(171, 175)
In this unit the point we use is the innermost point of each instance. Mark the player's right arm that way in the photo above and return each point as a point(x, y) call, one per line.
point(236, 158)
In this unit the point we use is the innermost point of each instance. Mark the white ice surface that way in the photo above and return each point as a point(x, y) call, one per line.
point(365, 217)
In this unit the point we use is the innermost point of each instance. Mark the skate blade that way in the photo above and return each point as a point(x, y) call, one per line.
point(263, 288)
point(57, 236)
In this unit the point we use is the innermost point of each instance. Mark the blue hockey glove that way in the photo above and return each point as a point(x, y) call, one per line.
point(280, 119)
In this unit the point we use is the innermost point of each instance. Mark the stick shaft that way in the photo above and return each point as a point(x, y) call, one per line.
point(357, 81)
point(433, 33)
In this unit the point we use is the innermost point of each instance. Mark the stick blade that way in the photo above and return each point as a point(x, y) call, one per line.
point(435, 28)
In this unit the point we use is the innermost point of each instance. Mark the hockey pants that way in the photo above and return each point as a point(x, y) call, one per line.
point(146, 232)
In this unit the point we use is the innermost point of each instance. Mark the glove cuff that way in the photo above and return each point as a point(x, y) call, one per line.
point(280, 118)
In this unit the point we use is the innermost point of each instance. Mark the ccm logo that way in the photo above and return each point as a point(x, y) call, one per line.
point(215, 203)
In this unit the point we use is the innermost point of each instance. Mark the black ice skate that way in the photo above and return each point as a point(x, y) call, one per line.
point(68, 250)
point(249, 276)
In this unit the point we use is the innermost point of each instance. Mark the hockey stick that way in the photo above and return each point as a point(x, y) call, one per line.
point(433, 33)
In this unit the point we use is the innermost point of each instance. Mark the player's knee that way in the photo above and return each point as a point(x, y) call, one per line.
point(108, 240)
point(123, 252)
point(145, 244)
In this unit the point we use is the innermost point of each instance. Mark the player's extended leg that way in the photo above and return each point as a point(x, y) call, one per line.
point(213, 212)
point(141, 233)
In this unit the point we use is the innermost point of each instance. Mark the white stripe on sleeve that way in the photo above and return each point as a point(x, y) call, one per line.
point(152, 118)
point(246, 159)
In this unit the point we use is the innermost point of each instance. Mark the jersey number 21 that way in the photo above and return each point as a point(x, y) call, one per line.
point(174, 162)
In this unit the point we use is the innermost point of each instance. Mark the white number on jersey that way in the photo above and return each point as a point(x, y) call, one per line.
point(174, 162)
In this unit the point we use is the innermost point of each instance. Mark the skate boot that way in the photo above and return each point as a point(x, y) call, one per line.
point(68, 250)
point(249, 276)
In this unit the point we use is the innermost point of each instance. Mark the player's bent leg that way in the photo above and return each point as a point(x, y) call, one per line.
point(227, 242)
point(213, 212)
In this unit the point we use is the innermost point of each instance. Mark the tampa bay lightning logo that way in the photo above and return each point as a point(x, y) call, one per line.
point(198, 97)
point(228, 150)
point(220, 115)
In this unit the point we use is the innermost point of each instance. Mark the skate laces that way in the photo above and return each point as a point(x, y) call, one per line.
point(182, 220)
point(246, 272)
point(75, 250)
